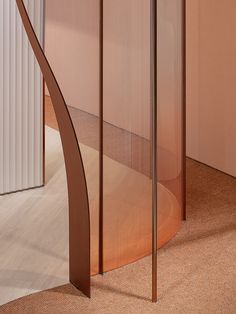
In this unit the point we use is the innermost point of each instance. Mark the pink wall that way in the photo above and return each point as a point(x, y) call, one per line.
point(211, 77)
point(72, 31)
point(72, 49)
point(126, 67)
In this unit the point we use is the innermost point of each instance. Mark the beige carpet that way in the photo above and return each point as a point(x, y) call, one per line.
point(197, 272)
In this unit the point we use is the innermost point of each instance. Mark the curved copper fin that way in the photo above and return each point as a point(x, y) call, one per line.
point(79, 220)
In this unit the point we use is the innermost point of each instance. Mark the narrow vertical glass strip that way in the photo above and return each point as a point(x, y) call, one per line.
point(101, 227)
point(127, 181)
point(72, 49)
point(153, 84)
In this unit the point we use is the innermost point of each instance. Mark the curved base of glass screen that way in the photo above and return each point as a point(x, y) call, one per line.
point(136, 240)
point(128, 216)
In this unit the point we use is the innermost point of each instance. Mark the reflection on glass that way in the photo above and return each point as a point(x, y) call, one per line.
point(72, 48)
point(127, 182)
point(71, 45)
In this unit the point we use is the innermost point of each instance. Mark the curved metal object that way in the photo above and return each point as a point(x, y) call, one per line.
point(79, 219)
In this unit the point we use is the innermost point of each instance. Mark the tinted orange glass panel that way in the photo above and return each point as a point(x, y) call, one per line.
point(127, 128)
point(72, 47)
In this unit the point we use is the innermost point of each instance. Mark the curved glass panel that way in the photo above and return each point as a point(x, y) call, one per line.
point(72, 48)
point(127, 128)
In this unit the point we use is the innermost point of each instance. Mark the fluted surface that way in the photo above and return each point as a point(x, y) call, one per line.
point(21, 110)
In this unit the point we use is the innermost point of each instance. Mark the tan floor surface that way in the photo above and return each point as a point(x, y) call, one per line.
point(34, 223)
point(196, 270)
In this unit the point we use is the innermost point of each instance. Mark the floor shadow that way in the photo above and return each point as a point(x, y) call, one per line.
point(68, 289)
point(111, 289)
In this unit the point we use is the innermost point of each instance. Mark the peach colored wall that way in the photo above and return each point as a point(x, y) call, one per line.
point(72, 48)
point(71, 44)
point(211, 77)
point(72, 29)
point(126, 66)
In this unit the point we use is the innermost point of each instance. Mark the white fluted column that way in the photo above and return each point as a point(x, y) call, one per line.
point(21, 101)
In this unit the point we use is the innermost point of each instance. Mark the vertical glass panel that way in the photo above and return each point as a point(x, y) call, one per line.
point(127, 142)
point(170, 115)
point(72, 48)
point(127, 182)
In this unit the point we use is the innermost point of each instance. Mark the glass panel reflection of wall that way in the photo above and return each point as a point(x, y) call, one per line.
point(127, 183)
point(72, 46)
point(72, 31)
point(170, 81)
point(170, 109)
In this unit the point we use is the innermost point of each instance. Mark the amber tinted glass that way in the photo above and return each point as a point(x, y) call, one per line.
point(170, 112)
point(127, 128)
point(71, 47)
